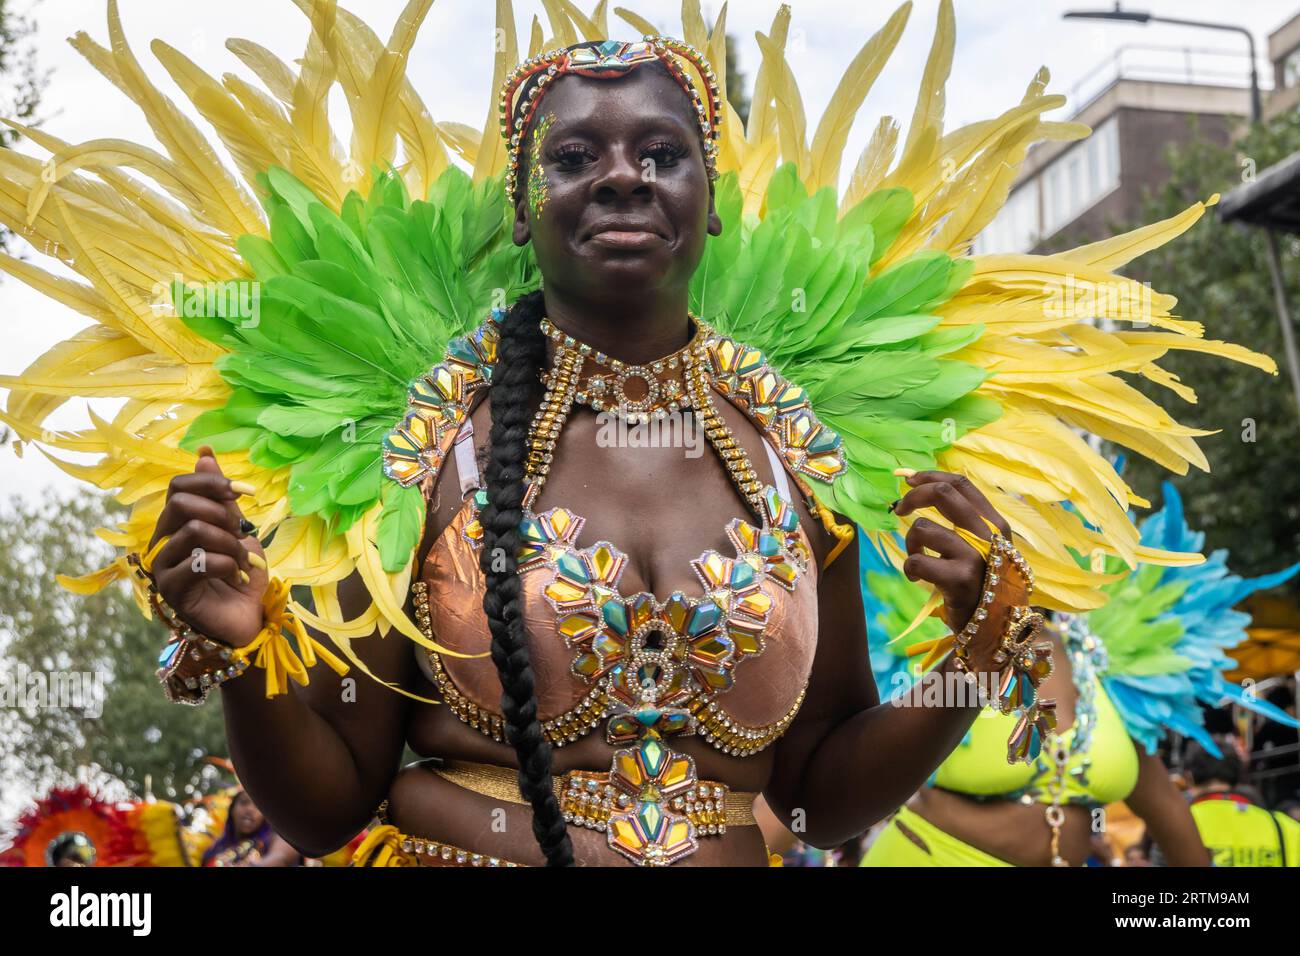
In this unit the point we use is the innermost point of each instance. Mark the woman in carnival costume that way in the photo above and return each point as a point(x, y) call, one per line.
point(1127, 673)
point(410, 390)
point(75, 826)
point(246, 838)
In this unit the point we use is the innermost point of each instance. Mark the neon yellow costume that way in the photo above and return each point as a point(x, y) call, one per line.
point(894, 847)
point(1101, 767)
point(975, 769)
point(1238, 833)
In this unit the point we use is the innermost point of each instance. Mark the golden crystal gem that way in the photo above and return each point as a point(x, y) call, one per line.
point(715, 568)
point(629, 769)
point(756, 603)
point(603, 562)
point(676, 773)
point(676, 610)
point(562, 592)
point(405, 471)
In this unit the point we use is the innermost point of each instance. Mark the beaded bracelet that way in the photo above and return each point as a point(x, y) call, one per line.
point(1004, 624)
point(192, 664)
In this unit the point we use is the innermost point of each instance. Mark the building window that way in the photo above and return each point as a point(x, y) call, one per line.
point(1015, 227)
point(1069, 186)
point(1291, 69)
point(1081, 176)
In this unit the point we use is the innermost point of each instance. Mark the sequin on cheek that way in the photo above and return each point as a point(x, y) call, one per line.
point(539, 187)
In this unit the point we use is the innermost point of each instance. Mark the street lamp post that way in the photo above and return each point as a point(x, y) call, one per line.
point(1256, 114)
point(1134, 16)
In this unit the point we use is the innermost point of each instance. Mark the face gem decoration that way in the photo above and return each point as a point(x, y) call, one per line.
point(539, 187)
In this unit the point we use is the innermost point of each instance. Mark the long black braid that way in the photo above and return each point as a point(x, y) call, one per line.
point(520, 355)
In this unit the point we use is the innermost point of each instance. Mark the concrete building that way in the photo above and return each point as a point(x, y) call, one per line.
point(1137, 102)
point(1284, 53)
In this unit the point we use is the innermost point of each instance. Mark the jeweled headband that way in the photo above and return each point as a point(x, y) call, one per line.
point(609, 59)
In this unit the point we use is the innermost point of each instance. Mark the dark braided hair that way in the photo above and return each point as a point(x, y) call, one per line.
point(520, 355)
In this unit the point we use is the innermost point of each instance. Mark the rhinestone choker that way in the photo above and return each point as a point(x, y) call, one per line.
point(636, 393)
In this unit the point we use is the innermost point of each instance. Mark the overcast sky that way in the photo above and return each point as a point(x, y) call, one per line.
point(1000, 44)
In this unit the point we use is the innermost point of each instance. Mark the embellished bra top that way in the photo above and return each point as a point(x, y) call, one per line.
point(582, 626)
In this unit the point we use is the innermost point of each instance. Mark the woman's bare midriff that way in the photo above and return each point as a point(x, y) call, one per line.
point(1007, 829)
point(421, 803)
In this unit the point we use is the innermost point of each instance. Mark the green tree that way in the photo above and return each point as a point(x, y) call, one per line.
point(45, 630)
point(1250, 500)
point(21, 79)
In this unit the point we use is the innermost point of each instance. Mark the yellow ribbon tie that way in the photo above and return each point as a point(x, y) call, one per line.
point(272, 651)
point(383, 841)
point(843, 533)
point(149, 557)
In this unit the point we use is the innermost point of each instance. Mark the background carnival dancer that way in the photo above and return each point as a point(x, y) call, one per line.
point(247, 839)
point(330, 361)
point(70, 826)
point(1128, 673)
point(77, 826)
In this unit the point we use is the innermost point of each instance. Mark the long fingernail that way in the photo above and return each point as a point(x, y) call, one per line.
point(243, 576)
point(256, 560)
point(894, 503)
point(904, 472)
point(242, 488)
point(246, 527)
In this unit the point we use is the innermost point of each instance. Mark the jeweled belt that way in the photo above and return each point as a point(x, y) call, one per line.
point(587, 798)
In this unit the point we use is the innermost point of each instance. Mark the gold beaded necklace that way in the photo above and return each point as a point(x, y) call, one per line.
point(681, 380)
point(635, 393)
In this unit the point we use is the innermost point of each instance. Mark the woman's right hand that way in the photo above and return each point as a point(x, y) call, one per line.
point(207, 572)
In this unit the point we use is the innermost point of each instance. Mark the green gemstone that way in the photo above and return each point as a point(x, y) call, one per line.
point(572, 567)
point(703, 618)
point(615, 614)
point(742, 575)
point(461, 350)
point(825, 440)
point(653, 755)
point(651, 817)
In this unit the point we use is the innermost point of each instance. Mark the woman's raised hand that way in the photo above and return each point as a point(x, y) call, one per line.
point(940, 555)
point(210, 572)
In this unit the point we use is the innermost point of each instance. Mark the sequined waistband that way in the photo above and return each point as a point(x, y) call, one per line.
point(386, 846)
point(587, 797)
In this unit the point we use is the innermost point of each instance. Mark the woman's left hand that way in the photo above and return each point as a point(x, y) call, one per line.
point(955, 568)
